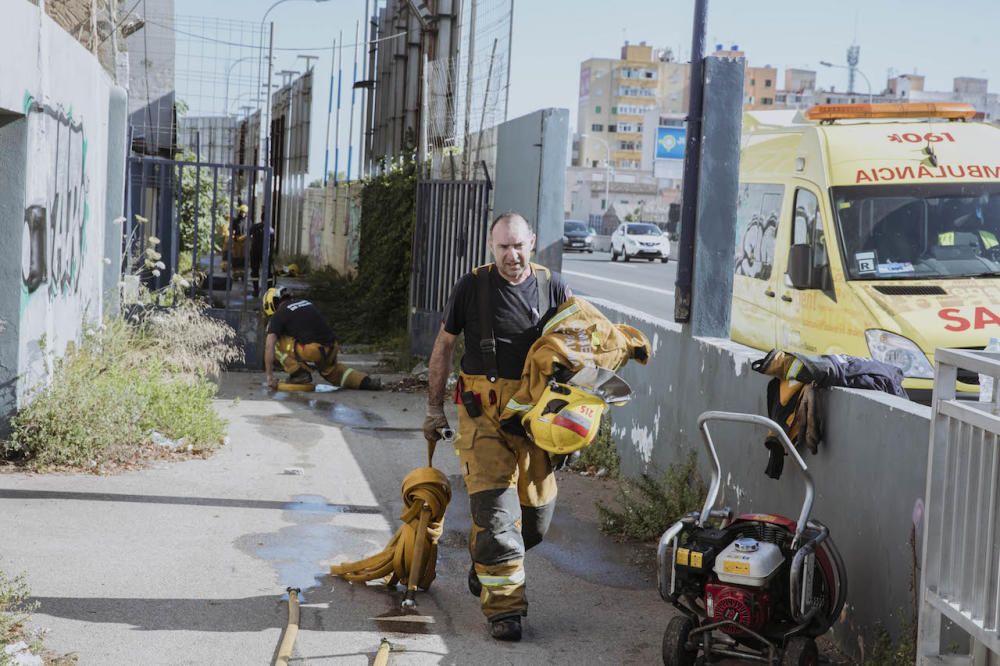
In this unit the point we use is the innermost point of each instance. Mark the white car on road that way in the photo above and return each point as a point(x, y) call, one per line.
point(640, 240)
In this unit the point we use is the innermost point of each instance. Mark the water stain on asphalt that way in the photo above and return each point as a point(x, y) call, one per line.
point(296, 551)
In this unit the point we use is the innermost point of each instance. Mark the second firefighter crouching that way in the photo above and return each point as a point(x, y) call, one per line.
point(300, 340)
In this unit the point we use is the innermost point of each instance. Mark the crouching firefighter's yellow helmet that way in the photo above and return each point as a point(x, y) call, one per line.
point(271, 299)
point(568, 415)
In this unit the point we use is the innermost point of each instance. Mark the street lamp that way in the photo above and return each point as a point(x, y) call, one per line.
point(867, 82)
point(228, 74)
point(270, 67)
point(607, 165)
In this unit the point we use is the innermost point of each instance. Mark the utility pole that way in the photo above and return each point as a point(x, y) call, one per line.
point(468, 88)
point(692, 154)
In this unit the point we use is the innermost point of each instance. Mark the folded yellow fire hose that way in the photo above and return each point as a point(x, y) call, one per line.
point(410, 557)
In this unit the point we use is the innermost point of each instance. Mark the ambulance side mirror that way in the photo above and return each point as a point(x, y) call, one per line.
point(800, 266)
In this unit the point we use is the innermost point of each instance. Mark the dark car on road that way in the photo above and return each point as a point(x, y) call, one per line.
point(577, 236)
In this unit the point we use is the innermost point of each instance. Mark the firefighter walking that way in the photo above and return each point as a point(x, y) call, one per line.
point(501, 308)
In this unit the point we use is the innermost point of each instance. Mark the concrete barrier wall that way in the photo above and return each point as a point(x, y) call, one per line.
point(63, 174)
point(602, 243)
point(869, 473)
point(325, 228)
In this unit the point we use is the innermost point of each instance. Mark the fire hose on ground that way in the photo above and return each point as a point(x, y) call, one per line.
point(410, 557)
point(291, 629)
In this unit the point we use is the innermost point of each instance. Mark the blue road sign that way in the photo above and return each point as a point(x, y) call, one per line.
point(670, 143)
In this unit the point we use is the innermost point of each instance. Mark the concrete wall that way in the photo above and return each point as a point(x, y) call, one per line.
point(869, 473)
point(531, 176)
point(326, 230)
point(56, 182)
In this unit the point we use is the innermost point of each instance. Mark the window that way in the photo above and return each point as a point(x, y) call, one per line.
point(597, 127)
point(766, 101)
point(614, 110)
point(612, 128)
point(807, 228)
point(597, 109)
point(753, 82)
point(758, 206)
point(767, 83)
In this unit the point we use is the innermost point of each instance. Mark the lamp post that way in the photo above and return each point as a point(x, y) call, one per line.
point(607, 167)
point(270, 67)
point(867, 82)
point(225, 108)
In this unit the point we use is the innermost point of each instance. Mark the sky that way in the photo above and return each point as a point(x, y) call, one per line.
point(552, 37)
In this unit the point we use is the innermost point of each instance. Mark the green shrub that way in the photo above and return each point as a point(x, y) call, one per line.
point(372, 306)
point(15, 609)
point(108, 394)
point(649, 505)
point(602, 453)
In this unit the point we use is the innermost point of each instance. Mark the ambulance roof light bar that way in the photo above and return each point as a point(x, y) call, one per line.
point(948, 110)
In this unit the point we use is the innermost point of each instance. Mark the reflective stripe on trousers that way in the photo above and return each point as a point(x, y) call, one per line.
point(512, 493)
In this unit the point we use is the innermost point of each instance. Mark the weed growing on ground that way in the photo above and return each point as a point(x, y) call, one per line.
point(602, 453)
point(15, 609)
point(123, 381)
point(886, 652)
point(647, 505)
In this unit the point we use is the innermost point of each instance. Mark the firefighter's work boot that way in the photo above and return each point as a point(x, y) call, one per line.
point(371, 384)
point(300, 376)
point(506, 628)
point(475, 586)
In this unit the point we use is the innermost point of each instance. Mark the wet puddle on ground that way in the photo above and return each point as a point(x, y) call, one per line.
point(295, 551)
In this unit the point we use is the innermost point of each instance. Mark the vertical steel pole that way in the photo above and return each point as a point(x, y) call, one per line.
point(692, 159)
point(350, 124)
point(329, 113)
point(336, 131)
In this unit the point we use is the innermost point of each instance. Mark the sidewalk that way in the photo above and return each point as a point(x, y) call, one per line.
point(187, 563)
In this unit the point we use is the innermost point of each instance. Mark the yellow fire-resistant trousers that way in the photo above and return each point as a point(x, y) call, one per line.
point(295, 356)
point(512, 494)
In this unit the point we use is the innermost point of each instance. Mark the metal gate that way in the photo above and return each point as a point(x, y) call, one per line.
point(960, 579)
point(184, 230)
point(449, 240)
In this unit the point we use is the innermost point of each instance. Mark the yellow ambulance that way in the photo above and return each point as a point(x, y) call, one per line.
point(870, 230)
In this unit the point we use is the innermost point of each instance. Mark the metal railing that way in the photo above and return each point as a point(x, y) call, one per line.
point(449, 240)
point(961, 551)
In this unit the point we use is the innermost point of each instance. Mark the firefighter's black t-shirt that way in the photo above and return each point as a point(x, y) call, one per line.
point(301, 320)
point(516, 320)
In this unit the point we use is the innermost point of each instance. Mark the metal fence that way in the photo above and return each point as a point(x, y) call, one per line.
point(449, 240)
point(960, 579)
point(184, 231)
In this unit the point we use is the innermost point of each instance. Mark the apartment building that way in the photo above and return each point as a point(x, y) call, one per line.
point(615, 95)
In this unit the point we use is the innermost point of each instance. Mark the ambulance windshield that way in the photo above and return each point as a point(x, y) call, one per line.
point(920, 231)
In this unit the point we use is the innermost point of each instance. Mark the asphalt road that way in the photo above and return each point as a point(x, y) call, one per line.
point(640, 284)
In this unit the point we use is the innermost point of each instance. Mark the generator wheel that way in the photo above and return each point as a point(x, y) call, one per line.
point(800, 651)
point(675, 638)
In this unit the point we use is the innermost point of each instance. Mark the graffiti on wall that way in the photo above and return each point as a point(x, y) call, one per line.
point(55, 217)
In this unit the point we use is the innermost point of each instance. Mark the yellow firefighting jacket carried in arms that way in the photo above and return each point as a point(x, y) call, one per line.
point(577, 336)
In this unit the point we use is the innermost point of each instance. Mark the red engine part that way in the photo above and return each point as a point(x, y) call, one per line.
point(747, 607)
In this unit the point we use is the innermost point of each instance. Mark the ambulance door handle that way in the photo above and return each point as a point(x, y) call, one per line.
point(769, 293)
point(786, 298)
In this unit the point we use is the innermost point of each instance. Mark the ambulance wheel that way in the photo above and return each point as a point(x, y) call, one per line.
point(675, 638)
point(800, 651)
point(625, 256)
point(664, 259)
point(614, 255)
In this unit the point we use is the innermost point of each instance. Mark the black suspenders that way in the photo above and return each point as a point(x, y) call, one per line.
point(484, 301)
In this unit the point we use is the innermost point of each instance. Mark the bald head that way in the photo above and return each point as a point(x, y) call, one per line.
point(511, 242)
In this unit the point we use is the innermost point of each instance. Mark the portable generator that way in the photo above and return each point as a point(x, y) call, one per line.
point(758, 588)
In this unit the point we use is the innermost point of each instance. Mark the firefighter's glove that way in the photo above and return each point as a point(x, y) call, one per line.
point(434, 422)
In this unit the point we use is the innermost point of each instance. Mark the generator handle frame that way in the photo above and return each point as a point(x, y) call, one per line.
point(753, 419)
